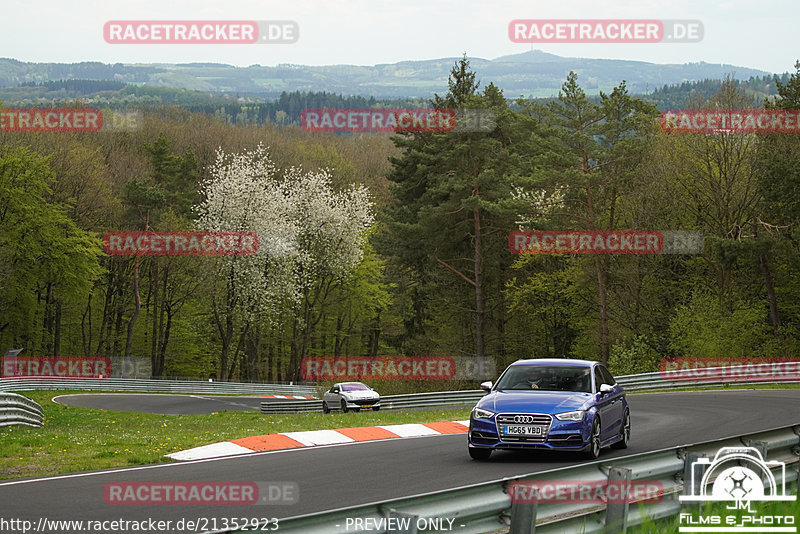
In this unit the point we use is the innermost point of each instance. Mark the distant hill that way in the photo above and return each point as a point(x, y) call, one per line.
point(529, 74)
point(146, 87)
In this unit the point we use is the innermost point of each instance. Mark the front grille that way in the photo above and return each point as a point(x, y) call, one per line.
point(523, 419)
point(362, 402)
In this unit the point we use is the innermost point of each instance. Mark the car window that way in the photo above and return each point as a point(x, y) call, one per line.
point(546, 378)
point(607, 376)
point(354, 387)
point(598, 379)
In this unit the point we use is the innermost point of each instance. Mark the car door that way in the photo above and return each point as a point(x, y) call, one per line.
point(605, 406)
point(331, 397)
point(617, 406)
point(337, 396)
point(619, 397)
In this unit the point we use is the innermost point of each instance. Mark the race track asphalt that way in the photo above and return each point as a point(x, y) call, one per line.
point(331, 477)
point(164, 404)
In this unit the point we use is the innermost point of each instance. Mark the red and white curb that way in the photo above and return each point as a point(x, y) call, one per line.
point(310, 438)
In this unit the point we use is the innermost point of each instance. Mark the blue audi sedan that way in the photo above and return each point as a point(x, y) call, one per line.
point(569, 405)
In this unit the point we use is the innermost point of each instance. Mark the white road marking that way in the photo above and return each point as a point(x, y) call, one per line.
point(215, 450)
point(318, 437)
point(410, 430)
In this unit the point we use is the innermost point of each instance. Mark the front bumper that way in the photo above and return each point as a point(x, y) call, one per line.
point(364, 403)
point(560, 435)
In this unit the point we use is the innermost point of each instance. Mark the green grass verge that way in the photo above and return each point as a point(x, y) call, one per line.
point(80, 439)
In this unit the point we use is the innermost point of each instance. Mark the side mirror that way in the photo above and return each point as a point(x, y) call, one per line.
point(486, 386)
point(605, 388)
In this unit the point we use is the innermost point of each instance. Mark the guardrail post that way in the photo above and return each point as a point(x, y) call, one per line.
point(761, 447)
point(617, 512)
point(691, 484)
point(523, 518)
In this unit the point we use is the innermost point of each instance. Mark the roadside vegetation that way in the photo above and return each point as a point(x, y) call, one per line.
point(427, 270)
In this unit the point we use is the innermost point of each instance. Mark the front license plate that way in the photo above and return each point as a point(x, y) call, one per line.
point(367, 406)
point(523, 430)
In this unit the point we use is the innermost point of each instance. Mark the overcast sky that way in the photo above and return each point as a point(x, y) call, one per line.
point(760, 34)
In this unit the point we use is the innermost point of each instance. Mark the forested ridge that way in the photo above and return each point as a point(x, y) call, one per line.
point(245, 108)
point(534, 73)
point(433, 274)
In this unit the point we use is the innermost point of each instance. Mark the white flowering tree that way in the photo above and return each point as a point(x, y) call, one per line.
point(332, 230)
point(309, 237)
point(538, 205)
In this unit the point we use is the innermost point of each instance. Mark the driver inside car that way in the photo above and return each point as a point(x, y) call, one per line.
point(532, 381)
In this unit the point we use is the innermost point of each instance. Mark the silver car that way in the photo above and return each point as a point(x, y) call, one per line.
point(350, 396)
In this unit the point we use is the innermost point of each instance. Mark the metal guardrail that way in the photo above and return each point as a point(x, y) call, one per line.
point(18, 410)
point(388, 402)
point(487, 507)
point(441, 398)
point(639, 382)
point(717, 376)
point(711, 376)
point(149, 385)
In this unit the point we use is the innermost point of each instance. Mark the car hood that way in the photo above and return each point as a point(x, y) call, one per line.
point(549, 402)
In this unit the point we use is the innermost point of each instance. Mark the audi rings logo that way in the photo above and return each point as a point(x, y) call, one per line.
point(523, 419)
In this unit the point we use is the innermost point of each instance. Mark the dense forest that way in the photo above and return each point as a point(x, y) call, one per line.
point(433, 275)
point(286, 109)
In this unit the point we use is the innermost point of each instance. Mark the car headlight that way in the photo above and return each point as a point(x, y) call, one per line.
point(570, 416)
point(480, 413)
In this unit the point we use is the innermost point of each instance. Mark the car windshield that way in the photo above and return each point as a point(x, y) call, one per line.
point(354, 387)
point(546, 378)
